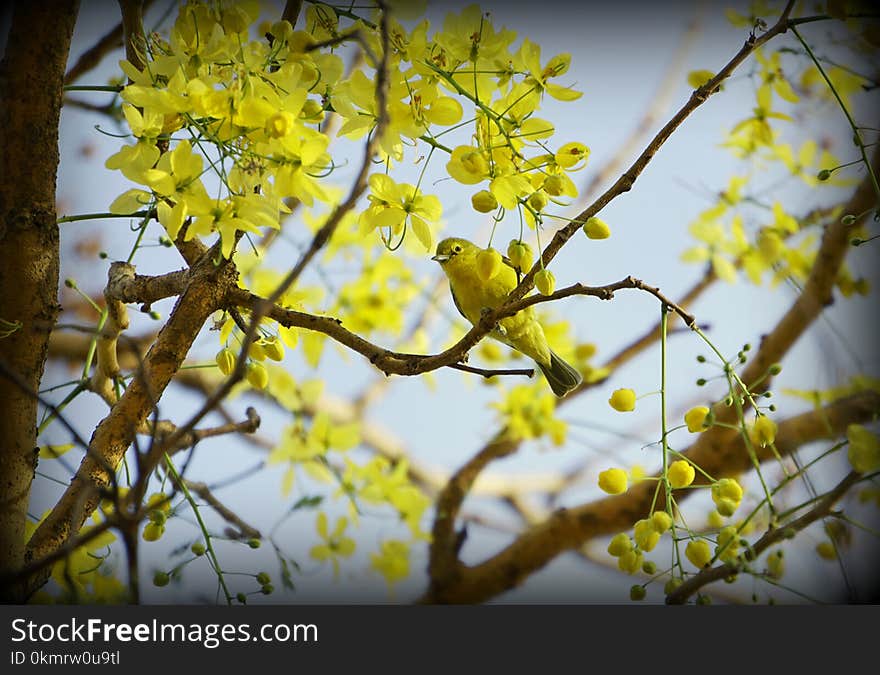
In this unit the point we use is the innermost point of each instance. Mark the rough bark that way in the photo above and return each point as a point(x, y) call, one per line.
point(31, 80)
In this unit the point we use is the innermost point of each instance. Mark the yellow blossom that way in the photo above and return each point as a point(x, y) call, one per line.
point(392, 561)
point(335, 545)
point(571, 155)
point(257, 375)
point(484, 201)
point(763, 432)
point(613, 481)
point(545, 282)
point(864, 449)
point(596, 228)
point(646, 536)
point(488, 263)
point(520, 255)
point(698, 552)
point(225, 360)
point(661, 521)
point(695, 418)
point(630, 562)
point(697, 78)
point(623, 400)
point(727, 495)
point(727, 548)
point(680, 474)
point(620, 543)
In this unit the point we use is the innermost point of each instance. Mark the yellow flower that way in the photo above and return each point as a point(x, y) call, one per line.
point(468, 165)
point(661, 520)
point(470, 36)
point(134, 160)
point(623, 400)
point(273, 348)
point(484, 202)
point(645, 534)
point(488, 263)
point(715, 519)
point(727, 495)
point(392, 561)
point(392, 204)
point(763, 432)
point(596, 228)
point(529, 56)
point(620, 543)
point(826, 550)
point(613, 481)
point(510, 188)
point(727, 547)
point(864, 449)
point(280, 124)
point(520, 255)
point(630, 562)
point(257, 375)
point(153, 531)
point(680, 474)
point(225, 361)
point(695, 417)
point(335, 544)
point(545, 282)
point(256, 351)
point(557, 185)
point(699, 553)
point(773, 76)
point(697, 78)
point(776, 564)
point(571, 154)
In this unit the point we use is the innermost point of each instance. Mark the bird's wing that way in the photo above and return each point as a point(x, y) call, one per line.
point(457, 305)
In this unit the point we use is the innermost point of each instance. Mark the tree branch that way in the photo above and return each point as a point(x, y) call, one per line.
point(133, 32)
point(93, 56)
point(566, 529)
point(629, 177)
point(244, 531)
point(31, 81)
point(115, 433)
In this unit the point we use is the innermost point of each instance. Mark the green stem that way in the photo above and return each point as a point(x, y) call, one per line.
point(435, 144)
point(93, 345)
point(208, 545)
point(857, 137)
point(100, 216)
point(80, 387)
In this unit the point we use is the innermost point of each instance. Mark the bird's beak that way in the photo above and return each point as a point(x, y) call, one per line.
point(441, 258)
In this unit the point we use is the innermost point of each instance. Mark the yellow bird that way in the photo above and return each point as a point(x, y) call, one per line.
point(522, 331)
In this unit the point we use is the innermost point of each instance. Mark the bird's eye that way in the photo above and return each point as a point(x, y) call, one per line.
point(456, 248)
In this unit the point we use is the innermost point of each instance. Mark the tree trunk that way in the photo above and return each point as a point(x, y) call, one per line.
point(31, 81)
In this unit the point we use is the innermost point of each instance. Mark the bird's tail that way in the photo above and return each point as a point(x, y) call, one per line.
point(561, 376)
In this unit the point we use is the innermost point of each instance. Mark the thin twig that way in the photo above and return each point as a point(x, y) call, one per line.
point(245, 531)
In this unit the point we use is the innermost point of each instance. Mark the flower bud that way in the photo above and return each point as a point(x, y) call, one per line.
point(520, 255)
point(623, 400)
point(484, 202)
point(596, 228)
point(225, 361)
point(545, 282)
point(488, 263)
point(257, 375)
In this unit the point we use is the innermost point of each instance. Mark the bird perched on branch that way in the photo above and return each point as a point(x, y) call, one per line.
point(473, 296)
